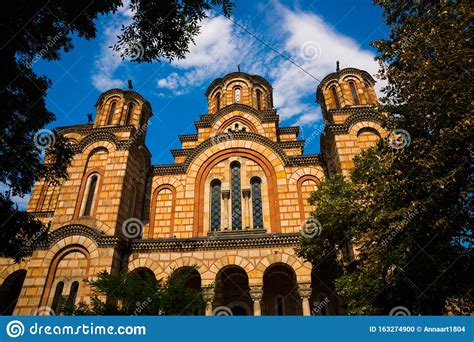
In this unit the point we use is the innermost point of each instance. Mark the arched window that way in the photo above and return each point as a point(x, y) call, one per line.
point(129, 113)
point(111, 113)
point(335, 97)
point(237, 95)
point(279, 305)
point(368, 94)
point(57, 297)
point(236, 196)
point(215, 205)
point(90, 195)
point(259, 100)
point(218, 101)
point(354, 93)
point(256, 184)
point(73, 293)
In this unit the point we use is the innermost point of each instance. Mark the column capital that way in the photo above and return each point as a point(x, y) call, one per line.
point(225, 194)
point(208, 293)
point(246, 193)
point(304, 290)
point(256, 293)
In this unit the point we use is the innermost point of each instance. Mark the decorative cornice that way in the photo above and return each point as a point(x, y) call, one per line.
point(182, 152)
point(308, 159)
point(73, 129)
point(188, 137)
point(87, 129)
point(266, 115)
point(353, 109)
point(291, 144)
point(105, 134)
point(216, 242)
point(240, 240)
point(169, 169)
point(41, 213)
point(289, 130)
point(52, 237)
point(239, 135)
point(355, 118)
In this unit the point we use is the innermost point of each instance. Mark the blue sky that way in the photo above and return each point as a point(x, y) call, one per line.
point(313, 34)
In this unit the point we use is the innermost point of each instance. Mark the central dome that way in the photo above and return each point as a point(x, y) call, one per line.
point(239, 87)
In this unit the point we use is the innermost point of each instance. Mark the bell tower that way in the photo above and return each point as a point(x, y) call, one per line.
point(118, 107)
point(348, 103)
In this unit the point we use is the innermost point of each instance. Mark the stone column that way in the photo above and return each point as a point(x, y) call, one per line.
point(246, 196)
point(208, 295)
point(225, 216)
point(256, 293)
point(305, 292)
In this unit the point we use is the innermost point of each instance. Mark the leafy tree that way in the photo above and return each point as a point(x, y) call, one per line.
point(130, 293)
point(328, 233)
point(41, 30)
point(413, 229)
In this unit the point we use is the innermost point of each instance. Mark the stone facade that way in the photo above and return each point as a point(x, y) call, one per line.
point(233, 203)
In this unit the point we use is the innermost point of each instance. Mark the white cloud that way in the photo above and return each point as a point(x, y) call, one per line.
point(216, 49)
point(304, 37)
point(108, 60)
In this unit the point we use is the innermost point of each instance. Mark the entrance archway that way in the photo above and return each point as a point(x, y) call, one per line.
point(10, 291)
point(192, 281)
point(232, 290)
point(280, 291)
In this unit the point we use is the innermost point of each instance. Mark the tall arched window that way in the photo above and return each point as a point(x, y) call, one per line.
point(368, 94)
point(279, 305)
point(335, 97)
point(90, 195)
point(354, 93)
point(73, 293)
point(256, 184)
point(236, 196)
point(237, 95)
point(111, 113)
point(57, 297)
point(129, 113)
point(215, 205)
point(218, 101)
point(259, 100)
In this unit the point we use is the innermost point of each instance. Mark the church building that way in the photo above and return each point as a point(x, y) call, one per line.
point(234, 203)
